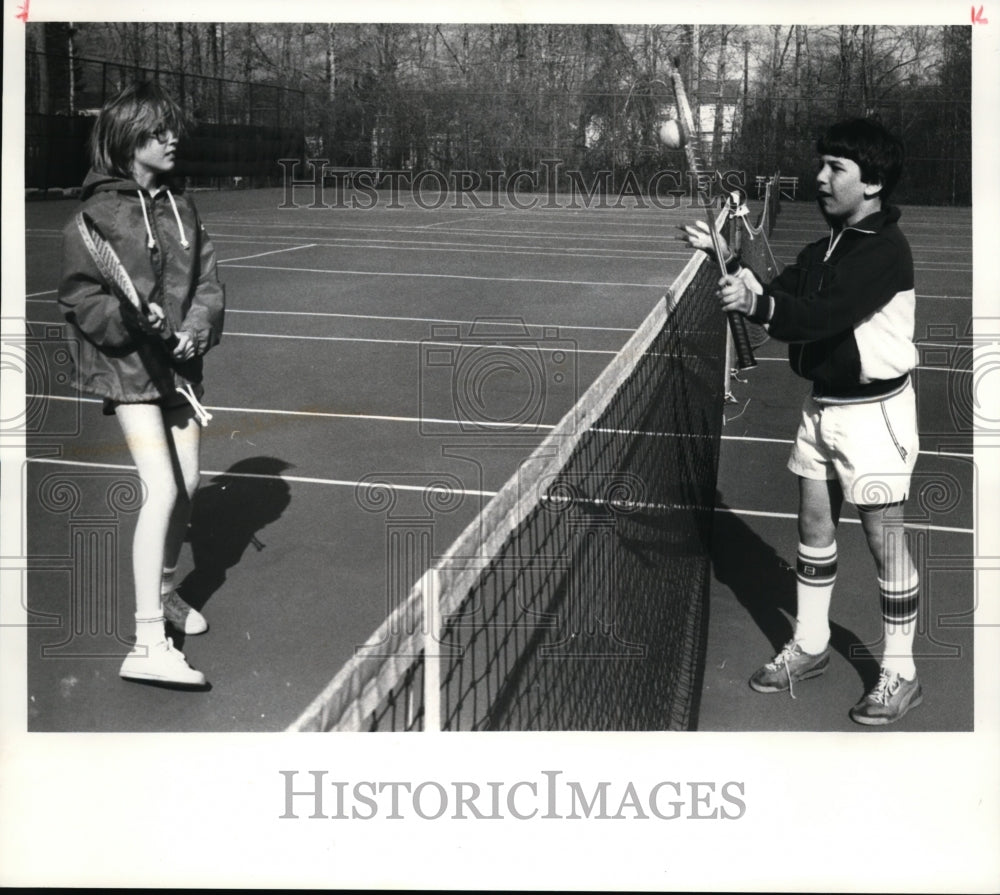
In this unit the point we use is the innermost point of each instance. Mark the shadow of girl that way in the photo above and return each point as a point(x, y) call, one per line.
point(226, 515)
point(764, 584)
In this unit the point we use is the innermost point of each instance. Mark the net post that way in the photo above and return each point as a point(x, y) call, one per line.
point(430, 587)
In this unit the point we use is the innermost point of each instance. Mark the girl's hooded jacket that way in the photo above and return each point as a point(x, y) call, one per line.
point(170, 258)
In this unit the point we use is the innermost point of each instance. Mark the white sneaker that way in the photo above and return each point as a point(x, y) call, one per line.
point(160, 663)
point(183, 617)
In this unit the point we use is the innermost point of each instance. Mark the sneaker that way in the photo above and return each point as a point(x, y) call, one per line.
point(162, 664)
point(790, 665)
point(184, 618)
point(892, 697)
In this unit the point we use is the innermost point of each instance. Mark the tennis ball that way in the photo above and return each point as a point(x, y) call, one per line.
point(670, 134)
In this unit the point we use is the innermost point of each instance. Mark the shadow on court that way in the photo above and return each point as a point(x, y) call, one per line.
point(763, 583)
point(228, 512)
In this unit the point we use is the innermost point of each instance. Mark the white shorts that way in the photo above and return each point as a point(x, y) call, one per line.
point(870, 448)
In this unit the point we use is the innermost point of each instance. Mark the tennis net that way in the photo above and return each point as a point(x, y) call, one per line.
point(576, 600)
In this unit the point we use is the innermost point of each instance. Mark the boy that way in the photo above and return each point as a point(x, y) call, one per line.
point(846, 308)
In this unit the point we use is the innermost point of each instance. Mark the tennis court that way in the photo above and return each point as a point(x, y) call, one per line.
point(369, 398)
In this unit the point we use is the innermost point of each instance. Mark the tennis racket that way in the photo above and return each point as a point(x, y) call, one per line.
point(112, 269)
point(745, 359)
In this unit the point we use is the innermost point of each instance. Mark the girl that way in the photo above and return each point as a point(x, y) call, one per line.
point(151, 389)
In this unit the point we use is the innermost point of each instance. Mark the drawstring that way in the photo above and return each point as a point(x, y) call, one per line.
point(177, 217)
point(199, 409)
point(151, 243)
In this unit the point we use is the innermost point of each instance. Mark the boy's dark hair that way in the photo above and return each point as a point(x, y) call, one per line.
point(129, 120)
point(875, 150)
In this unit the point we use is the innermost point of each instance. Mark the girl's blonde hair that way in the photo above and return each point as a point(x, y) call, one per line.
point(129, 120)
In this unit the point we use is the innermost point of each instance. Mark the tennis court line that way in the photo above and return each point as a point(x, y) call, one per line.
point(789, 441)
point(490, 424)
point(311, 245)
point(518, 346)
point(458, 223)
point(505, 251)
point(784, 360)
point(331, 414)
point(486, 321)
point(561, 349)
point(600, 240)
point(446, 276)
point(474, 492)
point(924, 526)
point(963, 342)
point(307, 480)
point(645, 230)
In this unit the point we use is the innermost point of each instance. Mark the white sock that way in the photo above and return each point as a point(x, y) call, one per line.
point(149, 631)
point(816, 572)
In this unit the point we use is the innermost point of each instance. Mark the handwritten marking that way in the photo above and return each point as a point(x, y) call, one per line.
point(978, 18)
point(22, 13)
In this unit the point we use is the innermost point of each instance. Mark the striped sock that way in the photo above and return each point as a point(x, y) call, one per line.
point(899, 601)
point(816, 572)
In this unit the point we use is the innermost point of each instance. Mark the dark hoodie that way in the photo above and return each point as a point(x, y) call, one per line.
point(846, 306)
point(169, 257)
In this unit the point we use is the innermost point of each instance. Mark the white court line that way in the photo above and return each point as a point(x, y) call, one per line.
point(428, 342)
point(943, 297)
point(330, 414)
point(772, 515)
point(784, 360)
point(499, 321)
point(459, 223)
point(447, 276)
point(789, 441)
point(519, 346)
point(493, 249)
point(466, 345)
point(479, 424)
point(308, 480)
point(665, 232)
point(346, 483)
point(311, 245)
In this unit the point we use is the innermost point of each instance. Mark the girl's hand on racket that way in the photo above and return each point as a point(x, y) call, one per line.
point(697, 236)
point(735, 296)
point(155, 317)
point(184, 349)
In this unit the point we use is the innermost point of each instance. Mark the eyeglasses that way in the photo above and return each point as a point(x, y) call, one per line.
point(162, 134)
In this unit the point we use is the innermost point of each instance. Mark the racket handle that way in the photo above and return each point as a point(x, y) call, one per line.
point(745, 359)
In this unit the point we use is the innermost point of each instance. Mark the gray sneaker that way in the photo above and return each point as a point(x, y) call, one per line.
point(891, 698)
point(184, 618)
point(790, 665)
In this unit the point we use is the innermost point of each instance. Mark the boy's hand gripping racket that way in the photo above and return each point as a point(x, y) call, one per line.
point(745, 359)
point(112, 269)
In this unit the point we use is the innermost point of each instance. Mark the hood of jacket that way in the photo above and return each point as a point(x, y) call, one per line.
point(95, 182)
